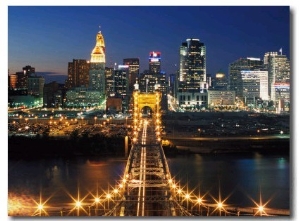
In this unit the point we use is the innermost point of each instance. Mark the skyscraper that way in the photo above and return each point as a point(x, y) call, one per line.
point(78, 73)
point(235, 76)
point(192, 63)
point(154, 62)
point(134, 68)
point(192, 85)
point(279, 69)
point(97, 66)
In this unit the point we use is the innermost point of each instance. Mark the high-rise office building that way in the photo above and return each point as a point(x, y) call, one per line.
point(192, 63)
point(220, 82)
point(78, 73)
point(109, 85)
point(192, 84)
point(121, 85)
point(255, 86)
point(235, 76)
point(134, 68)
point(154, 62)
point(279, 69)
point(97, 66)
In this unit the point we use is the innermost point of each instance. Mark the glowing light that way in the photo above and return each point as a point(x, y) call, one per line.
point(97, 200)
point(220, 205)
point(40, 206)
point(78, 204)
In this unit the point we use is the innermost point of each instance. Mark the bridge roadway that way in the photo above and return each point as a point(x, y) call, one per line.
point(147, 189)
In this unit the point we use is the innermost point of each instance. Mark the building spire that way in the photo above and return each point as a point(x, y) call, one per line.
point(98, 53)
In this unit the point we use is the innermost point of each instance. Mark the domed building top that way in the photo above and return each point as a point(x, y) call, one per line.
point(98, 53)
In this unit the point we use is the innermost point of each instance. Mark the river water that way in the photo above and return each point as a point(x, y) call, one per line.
point(237, 177)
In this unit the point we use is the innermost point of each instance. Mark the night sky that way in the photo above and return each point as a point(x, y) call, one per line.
point(48, 37)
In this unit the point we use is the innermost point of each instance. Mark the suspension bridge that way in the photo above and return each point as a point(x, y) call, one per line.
point(147, 187)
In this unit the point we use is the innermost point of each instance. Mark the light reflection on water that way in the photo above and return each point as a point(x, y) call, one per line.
point(236, 175)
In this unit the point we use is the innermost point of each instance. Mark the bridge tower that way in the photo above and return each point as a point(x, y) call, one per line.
point(151, 100)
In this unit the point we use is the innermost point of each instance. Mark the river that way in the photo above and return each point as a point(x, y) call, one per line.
point(237, 177)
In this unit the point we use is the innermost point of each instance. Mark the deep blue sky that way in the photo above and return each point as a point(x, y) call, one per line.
point(48, 37)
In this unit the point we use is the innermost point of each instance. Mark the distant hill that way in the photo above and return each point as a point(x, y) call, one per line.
point(52, 76)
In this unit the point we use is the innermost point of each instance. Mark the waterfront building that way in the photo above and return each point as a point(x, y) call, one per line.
point(78, 73)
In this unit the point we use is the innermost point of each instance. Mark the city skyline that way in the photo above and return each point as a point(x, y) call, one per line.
point(228, 32)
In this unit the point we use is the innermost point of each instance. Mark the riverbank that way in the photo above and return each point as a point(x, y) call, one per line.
point(231, 145)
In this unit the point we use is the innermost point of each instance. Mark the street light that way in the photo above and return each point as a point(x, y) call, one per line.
point(95, 118)
point(220, 206)
point(40, 208)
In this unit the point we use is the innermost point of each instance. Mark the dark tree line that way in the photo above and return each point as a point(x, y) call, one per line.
point(45, 146)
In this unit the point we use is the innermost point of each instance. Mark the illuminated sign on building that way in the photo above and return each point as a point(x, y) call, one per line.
point(154, 56)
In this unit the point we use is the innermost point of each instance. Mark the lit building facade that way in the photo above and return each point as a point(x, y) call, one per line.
point(28, 90)
point(121, 85)
point(78, 73)
point(235, 76)
point(217, 98)
point(279, 69)
point(109, 78)
point(255, 86)
point(82, 97)
point(220, 82)
point(192, 63)
point(134, 68)
point(94, 93)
